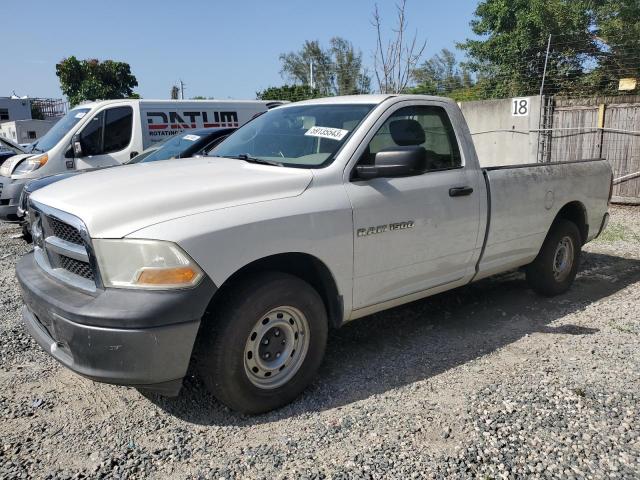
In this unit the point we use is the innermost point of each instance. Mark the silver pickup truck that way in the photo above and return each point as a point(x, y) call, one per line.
point(309, 216)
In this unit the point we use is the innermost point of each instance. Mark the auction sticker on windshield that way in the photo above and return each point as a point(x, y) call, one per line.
point(191, 137)
point(327, 132)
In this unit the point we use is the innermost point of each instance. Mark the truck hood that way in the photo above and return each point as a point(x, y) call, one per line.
point(115, 202)
point(39, 183)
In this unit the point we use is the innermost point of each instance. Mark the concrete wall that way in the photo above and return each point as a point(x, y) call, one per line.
point(20, 130)
point(19, 109)
point(499, 137)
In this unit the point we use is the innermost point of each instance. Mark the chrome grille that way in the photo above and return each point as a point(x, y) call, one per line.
point(64, 231)
point(62, 247)
point(77, 267)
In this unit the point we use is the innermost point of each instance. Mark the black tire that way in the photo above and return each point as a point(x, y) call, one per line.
point(227, 339)
point(26, 234)
point(548, 275)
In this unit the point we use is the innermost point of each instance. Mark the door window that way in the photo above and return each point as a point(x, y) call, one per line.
point(117, 129)
point(425, 126)
point(107, 132)
point(92, 136)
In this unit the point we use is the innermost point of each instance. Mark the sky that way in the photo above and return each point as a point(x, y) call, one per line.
point(218, 49)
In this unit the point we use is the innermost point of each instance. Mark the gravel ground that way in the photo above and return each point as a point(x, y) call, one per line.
point(489, 381)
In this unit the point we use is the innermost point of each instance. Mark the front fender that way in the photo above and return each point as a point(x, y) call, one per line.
point(318, 223)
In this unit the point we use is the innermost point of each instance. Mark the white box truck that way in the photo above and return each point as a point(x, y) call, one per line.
point(110, 132)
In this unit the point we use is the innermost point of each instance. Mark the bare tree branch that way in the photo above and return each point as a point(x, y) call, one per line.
point(394, 63)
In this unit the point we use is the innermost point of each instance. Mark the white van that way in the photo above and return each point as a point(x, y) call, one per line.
point(110, 132)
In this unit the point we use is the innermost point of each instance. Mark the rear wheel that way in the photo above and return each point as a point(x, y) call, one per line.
point(555, 268)
point(264, 344)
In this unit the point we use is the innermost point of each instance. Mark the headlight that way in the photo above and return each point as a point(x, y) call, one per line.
point(147, 264)
point(30, 164)
point(5, 169)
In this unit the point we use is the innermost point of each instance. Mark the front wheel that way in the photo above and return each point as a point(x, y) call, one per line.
point(555, 268)
point(264, 343)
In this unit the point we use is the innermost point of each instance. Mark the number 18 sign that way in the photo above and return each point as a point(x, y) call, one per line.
point(520, 107)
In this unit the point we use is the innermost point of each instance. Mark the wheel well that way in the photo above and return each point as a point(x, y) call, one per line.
point(576, 212)
point(302, 265)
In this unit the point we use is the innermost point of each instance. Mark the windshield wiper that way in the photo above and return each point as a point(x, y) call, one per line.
point(248, 158)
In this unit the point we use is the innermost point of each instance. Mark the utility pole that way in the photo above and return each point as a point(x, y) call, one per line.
point(544, 135)
point(311, 74)
point(546, 61)
point(182, 84)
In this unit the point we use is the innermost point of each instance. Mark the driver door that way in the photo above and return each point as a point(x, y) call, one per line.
point(410, 234)
point(105, 139)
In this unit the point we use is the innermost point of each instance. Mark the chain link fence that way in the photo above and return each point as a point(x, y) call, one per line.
point(597, 127)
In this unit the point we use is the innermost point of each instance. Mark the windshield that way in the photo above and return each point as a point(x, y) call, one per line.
point(145, 153)
point(171, 148)
point(59, 130)
point(298, 136)
point(141, 156)
point(4, 146)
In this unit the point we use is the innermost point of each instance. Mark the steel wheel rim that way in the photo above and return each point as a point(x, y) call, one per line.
point(563, 259)
point(273, 363)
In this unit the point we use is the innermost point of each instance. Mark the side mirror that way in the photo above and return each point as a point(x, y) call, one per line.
point(77, 146)
point(395, 162)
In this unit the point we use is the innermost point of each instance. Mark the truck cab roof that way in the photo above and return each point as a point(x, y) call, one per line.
point(370, 99)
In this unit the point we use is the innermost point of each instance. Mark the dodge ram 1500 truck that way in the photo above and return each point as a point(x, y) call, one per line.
point(309, 216)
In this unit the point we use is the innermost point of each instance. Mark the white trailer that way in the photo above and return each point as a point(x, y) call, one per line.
point(26, 131)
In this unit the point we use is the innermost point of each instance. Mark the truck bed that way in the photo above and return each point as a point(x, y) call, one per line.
point(516, 223)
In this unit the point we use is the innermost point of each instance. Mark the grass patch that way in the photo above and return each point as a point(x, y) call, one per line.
point(626, 328)
point(617, 232)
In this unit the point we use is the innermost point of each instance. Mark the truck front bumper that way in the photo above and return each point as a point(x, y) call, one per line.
point(126, 337)
point(10, 191)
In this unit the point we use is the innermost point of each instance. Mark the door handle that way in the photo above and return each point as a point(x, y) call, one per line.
point(460, 191)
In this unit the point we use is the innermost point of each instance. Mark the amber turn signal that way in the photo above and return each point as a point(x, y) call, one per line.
point(167, 276)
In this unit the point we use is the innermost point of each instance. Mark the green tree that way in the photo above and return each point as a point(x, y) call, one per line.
point(441, 74)
point(337, 70)
point(292, 93)
point(351, 78)
point(296, 66)
point(509, 56)
point(618, 30)
point(91, 79)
